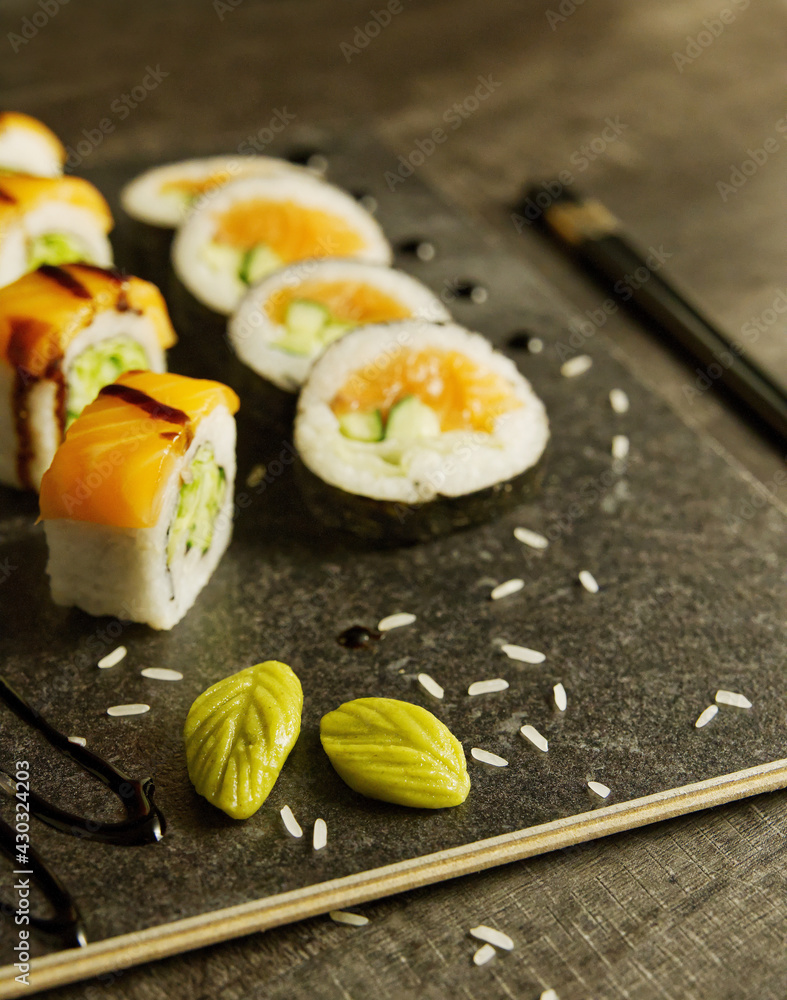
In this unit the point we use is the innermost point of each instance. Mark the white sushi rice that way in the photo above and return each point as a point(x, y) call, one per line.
point(256, 337)
point(620, 447)
point(506, 589)
point(588, 581)
point(291, 824)
point(451, 463)
point(522, 653)
point(161, 674)
point(320, 835)
point(733, 699)
point(559, 693)
point(400, 619)
point(153, 197)
point(350, 919)
point(486, 757)
point(80, 741)
point(576, 366)
point(121, 710)
point(532, 734)
point(112, 659)
point(494, 937)
point(488, 687)
point(430, 685)
point(705, 717)
point(135, 579)
point(599, 789)
point(27, 150)
point(531, 538)
point(619, 401)
point(484, 954)
point(221, 289)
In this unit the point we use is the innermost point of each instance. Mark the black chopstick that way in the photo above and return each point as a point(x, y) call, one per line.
point(595, 236)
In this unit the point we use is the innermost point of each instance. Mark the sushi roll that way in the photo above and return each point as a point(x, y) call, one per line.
point(27, 146)
point(255, 226)
point(137, 504)
point(64, 333)
point(51, 220)
point(283, 324)
point(413, 429)
point(164, 195)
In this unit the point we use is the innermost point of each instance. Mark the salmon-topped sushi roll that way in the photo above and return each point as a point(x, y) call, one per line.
point(253, 227)
point(64, 333)
point(27, 146)
point(51, 220)
point(137, 504)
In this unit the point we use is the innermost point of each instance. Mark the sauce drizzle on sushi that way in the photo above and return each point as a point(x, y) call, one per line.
point(62, 277)
point(151, 406)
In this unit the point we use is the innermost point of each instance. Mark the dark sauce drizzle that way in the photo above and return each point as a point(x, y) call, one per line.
point(151, 406)
point(144, 823)
point(62, 277)
point(358, 637)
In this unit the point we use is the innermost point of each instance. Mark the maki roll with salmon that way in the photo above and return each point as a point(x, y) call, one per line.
point(409, 430)
point(137, 504)
point(27, 146)
point(285, 323)
point(51, 220)
point(64, 333)
point(255, 226)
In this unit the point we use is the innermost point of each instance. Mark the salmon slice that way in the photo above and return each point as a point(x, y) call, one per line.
point(347, 301)
point(43, 311)
point(291, 230)
point(19, 193)
point(120, 453)
point(465, 396)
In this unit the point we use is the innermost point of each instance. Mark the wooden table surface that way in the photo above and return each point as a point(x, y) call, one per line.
point(653, 108)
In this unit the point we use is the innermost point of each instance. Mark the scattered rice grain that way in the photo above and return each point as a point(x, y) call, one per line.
point(493, 937)
point(395, 621)
point(732, 698)
point(620, 446)
point(113, 658)
point(522, 653)
point(345, 917)
point(576, 366)
point(588, 581)
point(531, 538)
point(561, 702)
point(485, 757)
point(430, 685)
point(487, 687)
point(256, 475)
point(162, 674)
point(710, 713)
point(549, 995)
point(619, 401)
point(117, 710)
point(599, 789)
point(535, 345)
point(507, 588)
point(79, 740)
point(320, 836)
point(291, 824)
point(484, 954)
point(532, 734)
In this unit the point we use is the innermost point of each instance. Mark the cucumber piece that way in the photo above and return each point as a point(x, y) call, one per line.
point(96, 367)
point(410, 419)
point(362, 426)
point(333, 330)
point(56, 249)
point(198, 504)
point(257, 263)
point(222, 257)
point(306, 318)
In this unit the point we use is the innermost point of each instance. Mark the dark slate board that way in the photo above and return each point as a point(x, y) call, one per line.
point(690, 565)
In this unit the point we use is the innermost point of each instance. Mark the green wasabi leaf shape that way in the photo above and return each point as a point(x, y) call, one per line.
point(238, 734)
point(394, 751)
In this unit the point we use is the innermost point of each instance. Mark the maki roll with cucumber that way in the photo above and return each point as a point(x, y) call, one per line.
point(410, 429)
point(64, 333)
point(137, 504)
point(283, 324)
point(27, 146)
point(51, 220)
point(256, 226)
